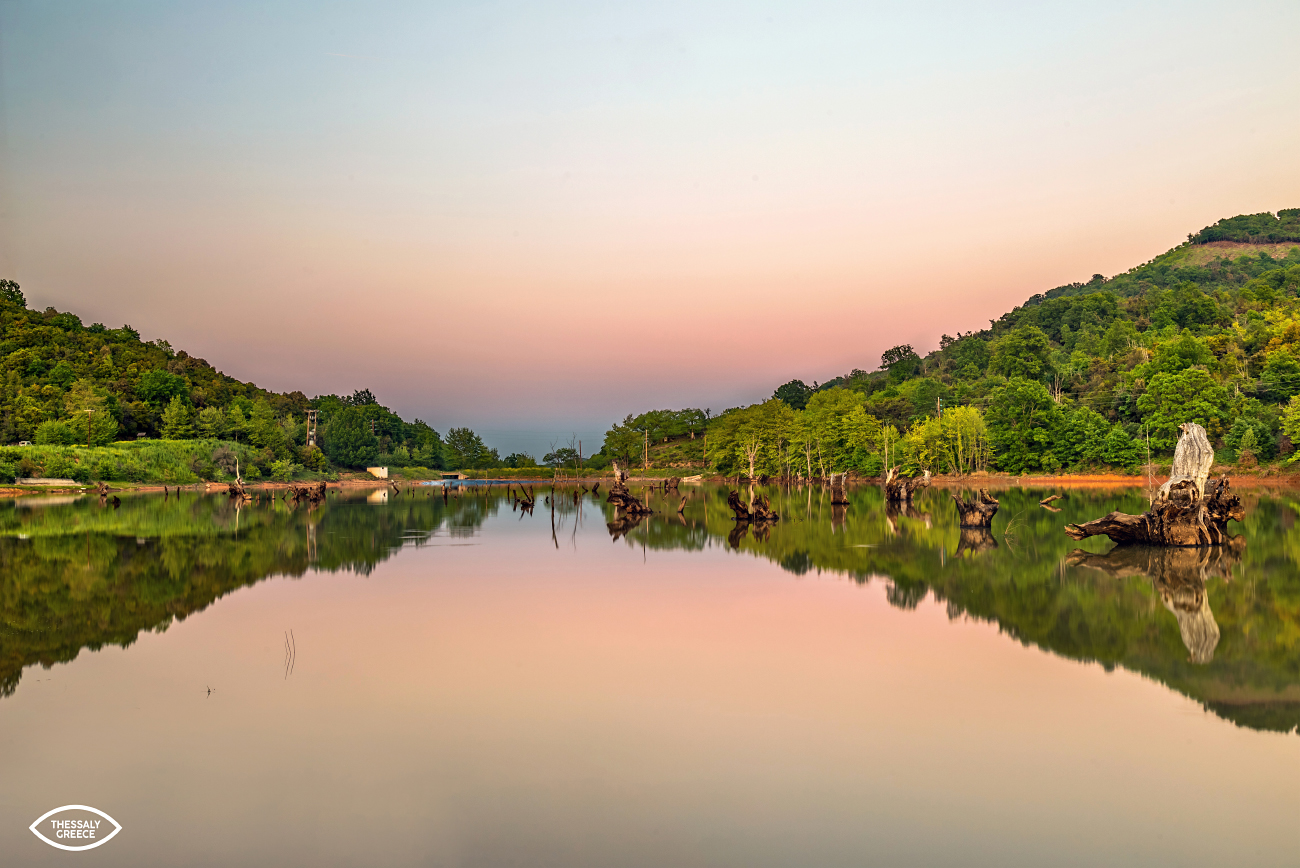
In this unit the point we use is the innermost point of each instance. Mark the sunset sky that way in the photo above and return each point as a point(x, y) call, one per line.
point(535, 218)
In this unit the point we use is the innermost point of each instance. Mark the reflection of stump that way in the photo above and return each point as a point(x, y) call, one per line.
point(900, 489)
point(838, 513)
point(737, 534)
point(975, 540)
point(978, 511)
point(621, 526)
point(1179, 576)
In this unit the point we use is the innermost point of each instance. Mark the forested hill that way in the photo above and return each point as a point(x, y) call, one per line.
point(53, 368)
point(1080, 376)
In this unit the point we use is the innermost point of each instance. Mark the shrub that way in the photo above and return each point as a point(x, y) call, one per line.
point(55, 433)
point(282, 471)
point(8, 472)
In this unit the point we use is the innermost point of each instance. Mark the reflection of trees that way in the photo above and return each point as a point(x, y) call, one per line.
point(87, 577)
point(1179, 576)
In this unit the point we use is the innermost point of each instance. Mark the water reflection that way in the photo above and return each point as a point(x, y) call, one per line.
point(1180, 577)
point(75, 576)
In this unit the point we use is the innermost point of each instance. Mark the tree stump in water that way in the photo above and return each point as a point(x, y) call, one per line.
point(978, 511)
point(838, 495)
point(899, 489)
point(761, 512)
point(626, 501)
point(1182, 514)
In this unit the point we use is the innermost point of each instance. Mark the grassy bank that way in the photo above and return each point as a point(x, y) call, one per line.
point(160, 462)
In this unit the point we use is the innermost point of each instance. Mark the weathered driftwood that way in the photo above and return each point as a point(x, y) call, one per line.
point(671, 483)
point(760, 512)
point(1179, 576)
point(1178, 521)
point(900, 489)
point(1182, 514)
point(623, 499)
point(1193, 458)
point(978, 511)
point(313, 494)
point(1046, 500)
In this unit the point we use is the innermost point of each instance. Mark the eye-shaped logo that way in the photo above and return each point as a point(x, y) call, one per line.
point(75, 827)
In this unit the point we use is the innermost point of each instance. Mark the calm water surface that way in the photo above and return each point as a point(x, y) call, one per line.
point(406, 681)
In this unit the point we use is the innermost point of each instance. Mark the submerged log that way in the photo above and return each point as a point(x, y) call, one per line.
point(900, 489)
point(1046, 500)
point(978, 511)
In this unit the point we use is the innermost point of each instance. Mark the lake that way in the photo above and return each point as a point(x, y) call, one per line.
point(412, 680)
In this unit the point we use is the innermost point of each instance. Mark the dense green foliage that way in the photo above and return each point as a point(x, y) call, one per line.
point(1253, 228)
point(65, 383)
point(1083, 376)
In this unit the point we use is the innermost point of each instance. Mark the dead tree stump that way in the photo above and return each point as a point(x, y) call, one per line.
point(1182, 514)
point(623, 499)
point(762, 511)
point(978, 511)
point(899, 489)
point(838, 496)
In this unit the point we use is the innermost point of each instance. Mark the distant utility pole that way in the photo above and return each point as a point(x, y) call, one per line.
point(579, 456)
point(938, 407)
point(311, 427)
point(646, 459)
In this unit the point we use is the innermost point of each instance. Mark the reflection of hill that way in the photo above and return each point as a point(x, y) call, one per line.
point(68, 585)
point(1239, 656)
point(75, 575)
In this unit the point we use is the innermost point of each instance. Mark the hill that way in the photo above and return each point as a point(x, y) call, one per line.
point(1087, 375)
point(63, 382)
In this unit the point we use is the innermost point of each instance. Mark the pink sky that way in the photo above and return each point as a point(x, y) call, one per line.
point(535, 221)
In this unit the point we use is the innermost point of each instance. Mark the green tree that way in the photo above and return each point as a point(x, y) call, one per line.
point(465, 450)
point(1190, 395)
point(89, 415)
point(1023, 352)
point(55, 432)
point(794, 393)
point(159, 388)
point(1023, 422)
point(212, 423)
point(177, 422)
point(348, 441)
